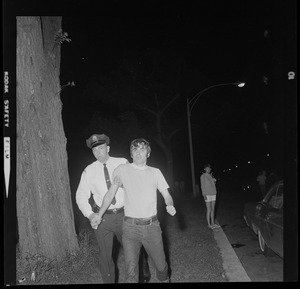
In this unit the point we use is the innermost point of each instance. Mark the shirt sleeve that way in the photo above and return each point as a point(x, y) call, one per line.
point(204, 184)
point(201, 182)
point(161, 181)
point(116, 177)
point(83, 194)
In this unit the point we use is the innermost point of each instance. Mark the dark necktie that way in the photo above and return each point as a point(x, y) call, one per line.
point(108, 184)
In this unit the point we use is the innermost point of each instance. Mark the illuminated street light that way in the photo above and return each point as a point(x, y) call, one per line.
point(189, 105)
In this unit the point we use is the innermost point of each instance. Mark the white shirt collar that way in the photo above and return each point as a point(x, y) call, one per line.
point(138, 167)
point(108, 160)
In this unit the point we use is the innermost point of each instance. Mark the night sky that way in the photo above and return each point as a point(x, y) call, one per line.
point(219, 42)
point(203, 43)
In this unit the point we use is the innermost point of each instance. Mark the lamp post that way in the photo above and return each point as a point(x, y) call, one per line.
point(189, 106)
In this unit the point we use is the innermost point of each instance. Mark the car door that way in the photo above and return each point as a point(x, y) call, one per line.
point(263, 210)
point(274, 221)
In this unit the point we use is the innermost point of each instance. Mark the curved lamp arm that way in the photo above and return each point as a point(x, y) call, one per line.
point(197, 95)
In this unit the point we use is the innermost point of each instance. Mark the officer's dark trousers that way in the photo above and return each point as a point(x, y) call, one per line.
point(111, 225)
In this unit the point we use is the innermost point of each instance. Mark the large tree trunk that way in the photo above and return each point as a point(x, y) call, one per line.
point(44, 207)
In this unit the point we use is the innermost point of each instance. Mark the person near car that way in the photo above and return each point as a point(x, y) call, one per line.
point(141, 225)
point(94, 181)
point(209, 193)
point(271, 179)
point(262, 180)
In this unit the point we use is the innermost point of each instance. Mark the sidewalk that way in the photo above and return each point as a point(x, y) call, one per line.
point(234, 270)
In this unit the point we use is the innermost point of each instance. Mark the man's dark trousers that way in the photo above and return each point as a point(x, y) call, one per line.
point(111, 226)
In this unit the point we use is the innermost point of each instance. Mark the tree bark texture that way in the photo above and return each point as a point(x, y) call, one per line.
point(44, 206)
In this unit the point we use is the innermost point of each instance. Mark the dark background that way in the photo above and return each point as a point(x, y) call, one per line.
point(223, 41)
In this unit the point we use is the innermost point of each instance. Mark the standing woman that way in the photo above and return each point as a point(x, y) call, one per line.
point(209, 193)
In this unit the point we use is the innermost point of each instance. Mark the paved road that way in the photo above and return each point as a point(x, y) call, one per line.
point(245, 243)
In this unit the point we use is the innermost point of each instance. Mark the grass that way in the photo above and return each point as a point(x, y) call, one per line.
point(193, 252)
point(73, 269)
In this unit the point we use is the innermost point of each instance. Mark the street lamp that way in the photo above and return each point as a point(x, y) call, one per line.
point(189, 105)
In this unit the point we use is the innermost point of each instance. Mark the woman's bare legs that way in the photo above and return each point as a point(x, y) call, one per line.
point(212, 215)
point(212, 212)
point(208, 213)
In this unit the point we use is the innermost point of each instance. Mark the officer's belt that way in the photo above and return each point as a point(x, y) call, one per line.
point(111, 211)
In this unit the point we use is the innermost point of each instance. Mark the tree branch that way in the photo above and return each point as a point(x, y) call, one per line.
point(169, 103)
point(174, 132)
point(156, 100)
point(148, 109)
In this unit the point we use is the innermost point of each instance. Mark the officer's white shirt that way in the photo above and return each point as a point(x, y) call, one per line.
point(93, 181)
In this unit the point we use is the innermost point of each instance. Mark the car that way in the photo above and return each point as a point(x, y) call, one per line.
point(265, 218)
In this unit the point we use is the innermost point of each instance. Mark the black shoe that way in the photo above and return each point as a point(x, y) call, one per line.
point(167, 281)
point(145, 274)
point(146, 279)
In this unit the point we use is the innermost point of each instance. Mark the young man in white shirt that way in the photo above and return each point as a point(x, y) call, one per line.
point(140, 226)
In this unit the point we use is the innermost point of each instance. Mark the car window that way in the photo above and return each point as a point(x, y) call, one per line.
point(276, 198)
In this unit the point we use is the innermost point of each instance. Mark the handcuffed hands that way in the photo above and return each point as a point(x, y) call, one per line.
point(95, 220)
point(171, 210)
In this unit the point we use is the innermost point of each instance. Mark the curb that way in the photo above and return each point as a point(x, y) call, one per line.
point(234, 270)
